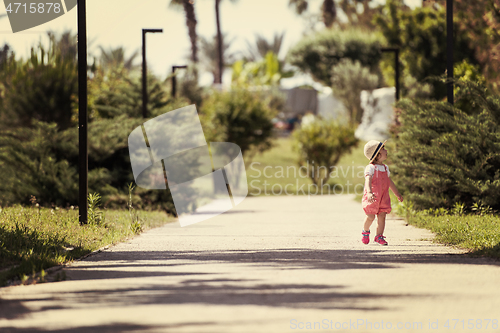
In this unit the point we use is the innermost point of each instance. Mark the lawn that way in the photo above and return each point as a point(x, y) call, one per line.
point(33, 239)
point(276, 172)
point(477, 232)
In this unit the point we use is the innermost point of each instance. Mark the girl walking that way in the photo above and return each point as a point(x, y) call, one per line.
point(376, 200)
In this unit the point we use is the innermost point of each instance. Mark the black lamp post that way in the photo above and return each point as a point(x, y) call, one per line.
point(82, 113)
point(396, 67)
point(174, 80)
point(144, 71)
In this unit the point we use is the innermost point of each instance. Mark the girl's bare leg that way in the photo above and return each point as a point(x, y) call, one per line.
point(381, 223)
point(368, 221)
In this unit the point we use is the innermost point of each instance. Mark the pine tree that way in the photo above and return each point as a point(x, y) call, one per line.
point(447, 154)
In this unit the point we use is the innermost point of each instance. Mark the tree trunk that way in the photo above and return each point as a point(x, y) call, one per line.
point(191, 25)
point(220, 62)
point(329, 12)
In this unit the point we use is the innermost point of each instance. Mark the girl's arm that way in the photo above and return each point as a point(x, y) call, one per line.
point(395, 190)
point(368, 186)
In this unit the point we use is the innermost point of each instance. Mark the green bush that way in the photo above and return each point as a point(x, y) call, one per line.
point(320, 145)
point(43, 87)
point(349, 78)
point(31, 164)
point(319, 53)
point(39, 136)
point(43, 162)
point(447, 155)
point(241, 117)
point(420, 35)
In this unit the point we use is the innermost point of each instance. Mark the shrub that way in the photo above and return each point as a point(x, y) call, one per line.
point(420, 35)
point(241, 117)
point(349, 78)
point(31, 166)
point(319, 53)
point(447, 155)
point(320, 145)
point(43, 87)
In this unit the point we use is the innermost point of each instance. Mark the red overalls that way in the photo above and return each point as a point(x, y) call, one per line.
point(380, 188)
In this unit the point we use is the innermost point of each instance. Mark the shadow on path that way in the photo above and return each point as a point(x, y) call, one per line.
point(194, 289)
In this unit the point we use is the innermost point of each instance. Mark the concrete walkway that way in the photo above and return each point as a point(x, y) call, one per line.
point(273, 264)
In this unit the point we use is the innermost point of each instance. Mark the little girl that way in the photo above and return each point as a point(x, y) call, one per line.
point(376, 200)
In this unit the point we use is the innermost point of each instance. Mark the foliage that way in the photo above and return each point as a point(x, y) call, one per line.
point(348, 80)
point(320, 145)
point(43, 162)
point(189, 87)
point(39, 148)
point(115, 87)
point(319, 53)
point(420, 35)
point(267, 71)
point(480, 21)
point(35, 238)
point(467, 72)
point(6, 55)
point(114, 60)
point(135, 221)
point(328, 10)
point(478, 233)
point(241, 117)
point(360, 13)
point(43, 87)
point(209, 59)
point(95, 216)
point(262, 47)
point(32, 163)
point(447, 154)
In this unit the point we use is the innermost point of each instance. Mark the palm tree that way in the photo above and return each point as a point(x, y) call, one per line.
point(351, 9)
point(188, 6)
point(210, 55)
point(220, 43)
point(220, 56)
point(115, 58)
point(262, 46)
point(328, 10)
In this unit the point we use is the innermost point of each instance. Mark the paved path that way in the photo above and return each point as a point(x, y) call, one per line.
point(273, 264)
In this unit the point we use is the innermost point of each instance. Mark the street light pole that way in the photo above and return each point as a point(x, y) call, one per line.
point(449, 50)
point(83, 167)
point(396, 67)
point(144, 71)
point(174, 80)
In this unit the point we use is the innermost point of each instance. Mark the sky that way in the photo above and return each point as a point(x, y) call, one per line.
point(115, 23)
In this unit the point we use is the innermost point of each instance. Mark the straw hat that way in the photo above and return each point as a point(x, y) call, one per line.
point(372, 148)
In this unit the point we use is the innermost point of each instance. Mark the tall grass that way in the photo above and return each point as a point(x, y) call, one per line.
point(33, 238)
point(478, 231)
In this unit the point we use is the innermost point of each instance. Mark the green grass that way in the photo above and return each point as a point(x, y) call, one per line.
point(479, 234)
point(33, 239)
point(277, 170)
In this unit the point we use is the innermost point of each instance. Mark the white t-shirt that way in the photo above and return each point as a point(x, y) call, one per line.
point(370, 169)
